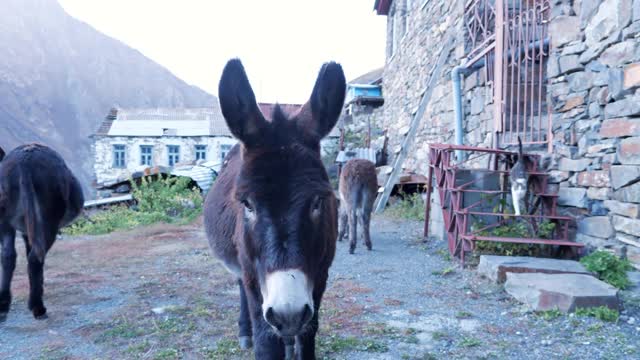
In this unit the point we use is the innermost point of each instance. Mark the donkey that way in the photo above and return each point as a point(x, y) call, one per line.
point(38, 196)
point(271, 216)
point(358, 188)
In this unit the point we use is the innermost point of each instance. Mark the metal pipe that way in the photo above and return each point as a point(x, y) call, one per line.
point(456, 77)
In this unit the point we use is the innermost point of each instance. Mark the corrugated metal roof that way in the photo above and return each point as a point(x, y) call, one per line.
point(357, 153)
point(166, 121)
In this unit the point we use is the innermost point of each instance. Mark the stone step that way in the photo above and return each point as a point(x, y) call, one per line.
point(496, 267)
point(564, 292)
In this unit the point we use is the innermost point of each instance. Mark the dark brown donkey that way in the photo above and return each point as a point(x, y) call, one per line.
point(358, 189)
point(38, 196)
point(271, 216)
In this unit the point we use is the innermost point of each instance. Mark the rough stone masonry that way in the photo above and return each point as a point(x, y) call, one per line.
point(593, 87)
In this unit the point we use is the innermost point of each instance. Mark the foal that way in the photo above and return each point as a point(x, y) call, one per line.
point(358, 188)
point(38, 196)
point(271, 216)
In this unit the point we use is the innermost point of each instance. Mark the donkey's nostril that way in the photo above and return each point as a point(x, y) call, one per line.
point(307, 314)
point(270, 317)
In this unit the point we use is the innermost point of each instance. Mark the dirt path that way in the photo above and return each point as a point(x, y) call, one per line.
point(155, 293)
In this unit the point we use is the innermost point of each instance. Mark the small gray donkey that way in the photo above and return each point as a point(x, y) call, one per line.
point(358, 188)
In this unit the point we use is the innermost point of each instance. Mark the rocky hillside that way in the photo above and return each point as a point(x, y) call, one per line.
point(59, 77)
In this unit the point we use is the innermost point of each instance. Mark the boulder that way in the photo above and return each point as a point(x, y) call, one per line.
point(496, 267)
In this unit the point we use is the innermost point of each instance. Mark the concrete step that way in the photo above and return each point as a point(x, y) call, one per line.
point(564, 292)
point(496, 268)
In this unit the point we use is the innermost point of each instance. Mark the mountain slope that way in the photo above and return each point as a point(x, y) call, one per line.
point(59, 77)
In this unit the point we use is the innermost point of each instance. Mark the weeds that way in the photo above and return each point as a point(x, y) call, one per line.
point(601, 313)
point(608, 267)
point(470, 342)
point(550, 314)
point(410, 207)
point(167, 200)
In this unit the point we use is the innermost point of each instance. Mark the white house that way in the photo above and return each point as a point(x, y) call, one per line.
point(129, 140)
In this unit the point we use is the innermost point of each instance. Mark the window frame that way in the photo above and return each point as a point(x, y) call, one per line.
point(200, 151)
point(173, 157)
point(119, 153)
point(144, 155)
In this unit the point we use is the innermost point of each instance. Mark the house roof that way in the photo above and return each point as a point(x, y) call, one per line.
point(373, 77)
point(165, 121)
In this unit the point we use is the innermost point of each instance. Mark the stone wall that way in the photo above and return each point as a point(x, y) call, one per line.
point(593, 86)
point(594, 72)
point(102, 149)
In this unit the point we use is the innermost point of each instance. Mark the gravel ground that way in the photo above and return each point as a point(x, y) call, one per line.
point(155, 293)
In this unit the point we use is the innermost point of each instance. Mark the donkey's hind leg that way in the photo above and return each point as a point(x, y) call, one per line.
point(7, 241)
point(36, 274)
point(366, 220)
point(244, 322)
point(353, 230)
point(343, 223)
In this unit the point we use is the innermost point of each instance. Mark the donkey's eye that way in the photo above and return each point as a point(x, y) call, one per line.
point(316, 206)
point(247, 205)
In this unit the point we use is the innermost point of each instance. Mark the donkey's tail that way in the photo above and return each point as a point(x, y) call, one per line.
point(519, 148)
point(31, 220)
point(2, 153)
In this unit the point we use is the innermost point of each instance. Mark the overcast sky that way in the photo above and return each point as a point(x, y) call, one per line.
point(282, 43)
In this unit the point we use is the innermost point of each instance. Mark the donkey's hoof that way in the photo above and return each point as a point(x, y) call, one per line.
point(40, 313)
point(245, 342)
point(3, 316)
point(351, 251)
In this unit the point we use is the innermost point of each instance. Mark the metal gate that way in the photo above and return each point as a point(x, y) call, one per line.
point(511, 37)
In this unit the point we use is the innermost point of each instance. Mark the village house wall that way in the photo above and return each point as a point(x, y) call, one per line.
point(103, 152)
point(594, 92)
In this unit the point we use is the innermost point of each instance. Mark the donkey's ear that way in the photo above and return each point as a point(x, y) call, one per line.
point(238, 105)
point(326, 102)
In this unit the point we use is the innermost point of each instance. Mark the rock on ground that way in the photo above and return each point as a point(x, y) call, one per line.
point(496, 268)
point(564, 292)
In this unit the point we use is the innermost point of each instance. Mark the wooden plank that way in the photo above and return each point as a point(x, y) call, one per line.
point(436, 72)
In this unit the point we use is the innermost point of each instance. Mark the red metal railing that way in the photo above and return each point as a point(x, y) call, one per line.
point(475, 197)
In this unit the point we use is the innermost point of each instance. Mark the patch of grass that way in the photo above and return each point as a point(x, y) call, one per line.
point(463, 315)
point(122, 330)
point(167, 354)
point(334, 344)
point(139, 348)
point(225, 348)
point(594, 328)
point(439, 335)
point(444, 272)
point(444, 254)
point(167, 200)
point(609, 268)
point(470, 342)
point(514, 229)
point(410, 207)
point(601, 313)
point(550, 314)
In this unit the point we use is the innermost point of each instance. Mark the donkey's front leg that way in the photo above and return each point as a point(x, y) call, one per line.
point(266, 344)
point(244, 321)
point(8, 260)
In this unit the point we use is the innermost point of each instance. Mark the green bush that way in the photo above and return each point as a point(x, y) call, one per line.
point(410, 207)
point(601, 313)
point(608, 267)
point(167, 200)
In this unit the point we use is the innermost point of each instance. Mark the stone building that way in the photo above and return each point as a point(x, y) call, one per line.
point(583, 81)
point(132, 139)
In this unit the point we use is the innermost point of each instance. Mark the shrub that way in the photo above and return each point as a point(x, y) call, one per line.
point(601, 313)
point(167, 200)
point(608, 267)
point(410, 207)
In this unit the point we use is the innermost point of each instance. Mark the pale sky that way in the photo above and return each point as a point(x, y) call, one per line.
point(282, 43)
